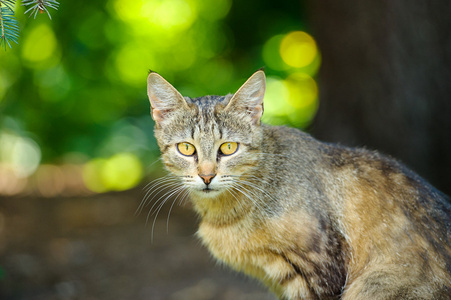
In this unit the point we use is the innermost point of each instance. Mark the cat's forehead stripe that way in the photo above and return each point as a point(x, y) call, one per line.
point(206, 101)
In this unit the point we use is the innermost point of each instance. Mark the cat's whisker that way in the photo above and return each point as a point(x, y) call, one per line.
point(160, 206)
point(160, 202)
point(254, 200)
point(155, 190)
point(251, 196)
point(158, 183)
point(184, 197)
point(253, 185)
point(160, 198)
point(310, 219)
point(236, 198)
point(181, 191)
point(157, 180)
point(160, 159)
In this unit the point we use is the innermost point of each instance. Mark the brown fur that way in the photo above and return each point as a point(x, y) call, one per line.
point(311, 220)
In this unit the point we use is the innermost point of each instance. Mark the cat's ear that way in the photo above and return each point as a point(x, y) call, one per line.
point(249, 97)
point(163, 97)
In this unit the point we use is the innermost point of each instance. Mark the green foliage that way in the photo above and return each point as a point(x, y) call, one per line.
point(74, 91)
point(40, 6)
point(8, 23)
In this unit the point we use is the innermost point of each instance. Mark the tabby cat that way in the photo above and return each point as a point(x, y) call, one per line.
point(311, 220)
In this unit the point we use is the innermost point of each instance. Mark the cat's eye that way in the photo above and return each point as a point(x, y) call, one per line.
point(186, 149)
point(228, 148)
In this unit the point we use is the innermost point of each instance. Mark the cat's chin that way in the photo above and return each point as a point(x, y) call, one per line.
point(207, 193)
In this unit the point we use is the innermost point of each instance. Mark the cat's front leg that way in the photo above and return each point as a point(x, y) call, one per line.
point(283, 278)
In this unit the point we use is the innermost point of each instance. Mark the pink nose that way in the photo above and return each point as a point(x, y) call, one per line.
point(207, 178)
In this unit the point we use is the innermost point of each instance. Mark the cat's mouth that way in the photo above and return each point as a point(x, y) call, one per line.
point(208, 190)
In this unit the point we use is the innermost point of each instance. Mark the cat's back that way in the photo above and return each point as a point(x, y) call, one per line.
point(396, 224)
point(392, 222)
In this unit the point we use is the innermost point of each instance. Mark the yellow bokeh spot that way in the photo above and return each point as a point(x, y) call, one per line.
point(133, 61)
point(163, 14)
point(303, 90)
point(298, 49)
point(303, 98)
point(92, 175)
point(271, 53)
point(40, 47)
point(293, 100)
point(120, 172)
point(275, 101)
point(128, 10)
point(171, 14)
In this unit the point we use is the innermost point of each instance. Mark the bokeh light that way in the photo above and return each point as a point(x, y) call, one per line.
point(298, 49)
point(271, 53)
point(303, 98)
point(121, 172)
point(293, 100)
point(92, 175)
point(117, 173)
point(275, 101)
point(40, 47)
point(76, 90)
point(20, 154)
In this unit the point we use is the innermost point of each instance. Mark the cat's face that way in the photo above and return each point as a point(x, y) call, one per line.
point(208, 142)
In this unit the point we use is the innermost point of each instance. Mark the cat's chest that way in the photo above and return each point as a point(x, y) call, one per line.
point(237, 244)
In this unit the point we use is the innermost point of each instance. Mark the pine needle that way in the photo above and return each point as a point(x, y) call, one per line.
point(8, 23)
point(40, 6)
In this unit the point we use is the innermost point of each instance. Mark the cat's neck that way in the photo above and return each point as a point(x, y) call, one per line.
point(226, 209)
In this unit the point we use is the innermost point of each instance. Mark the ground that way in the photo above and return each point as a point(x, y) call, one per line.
point(97, 248)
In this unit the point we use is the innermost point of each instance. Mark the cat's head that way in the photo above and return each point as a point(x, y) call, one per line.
point(208, 141)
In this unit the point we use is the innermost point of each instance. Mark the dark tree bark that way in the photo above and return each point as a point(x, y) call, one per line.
point(385, 80)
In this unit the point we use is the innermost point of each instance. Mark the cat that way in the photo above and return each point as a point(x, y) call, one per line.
point(309, 219)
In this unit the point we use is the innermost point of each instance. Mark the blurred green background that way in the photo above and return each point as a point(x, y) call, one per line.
point(75, 124)
point(74, 115)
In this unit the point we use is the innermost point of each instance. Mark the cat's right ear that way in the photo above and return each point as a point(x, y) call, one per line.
point(163, 97)
point(249, 97)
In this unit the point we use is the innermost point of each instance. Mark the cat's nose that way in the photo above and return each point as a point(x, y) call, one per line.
point(207, 178)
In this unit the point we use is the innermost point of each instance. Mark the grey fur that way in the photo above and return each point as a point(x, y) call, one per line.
point(311, 220)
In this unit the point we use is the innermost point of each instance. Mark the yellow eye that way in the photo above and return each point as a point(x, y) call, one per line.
point(228, 148)
point(186, 149)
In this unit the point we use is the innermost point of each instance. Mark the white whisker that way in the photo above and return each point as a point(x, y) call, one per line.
point(155, 190)
point(183, 191)
point(160, 206)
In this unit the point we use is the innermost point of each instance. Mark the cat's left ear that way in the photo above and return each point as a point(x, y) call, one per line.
point(163, 97)
point(249, 97)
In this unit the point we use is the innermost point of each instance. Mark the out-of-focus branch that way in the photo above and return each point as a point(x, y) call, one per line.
point(9, 27)
point(40, 6)
point(8, 23)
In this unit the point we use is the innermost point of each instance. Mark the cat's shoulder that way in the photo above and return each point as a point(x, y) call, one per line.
point(285, 134)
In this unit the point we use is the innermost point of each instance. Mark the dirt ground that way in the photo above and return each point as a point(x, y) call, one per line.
point(97, 248)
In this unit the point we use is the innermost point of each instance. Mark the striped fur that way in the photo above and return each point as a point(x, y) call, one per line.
point(311, 220)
